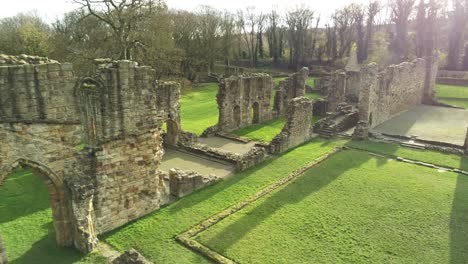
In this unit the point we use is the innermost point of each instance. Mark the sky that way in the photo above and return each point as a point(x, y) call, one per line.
point(52, 9)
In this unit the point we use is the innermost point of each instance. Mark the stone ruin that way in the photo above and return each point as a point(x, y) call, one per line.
point(382, 95)
point(46, 113)
point(298, 128)
point(294, 86)
point(244, 100)
point(368, 97)
point(131, 257)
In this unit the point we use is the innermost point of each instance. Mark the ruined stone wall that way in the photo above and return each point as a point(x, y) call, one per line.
point(337, 91)
point(20, 147)
point(38, 93)
point(119, 101)
point(396, 89)
point(124, 108)
point(244, 100)
point(297, 129)
point(294, 86)
point(127, 179)
point(168, 107)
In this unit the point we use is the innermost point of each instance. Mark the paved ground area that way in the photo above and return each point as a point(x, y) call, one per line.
point(432, 123)
point(227, 144)
point(188, 162)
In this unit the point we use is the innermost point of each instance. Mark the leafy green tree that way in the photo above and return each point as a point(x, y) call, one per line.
point(24, 34)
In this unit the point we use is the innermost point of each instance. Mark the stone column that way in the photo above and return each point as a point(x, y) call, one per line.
point(3, 256)
point(81, 192)
point(465, 146)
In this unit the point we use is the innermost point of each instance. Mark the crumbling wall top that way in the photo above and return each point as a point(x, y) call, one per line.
point(8, 60)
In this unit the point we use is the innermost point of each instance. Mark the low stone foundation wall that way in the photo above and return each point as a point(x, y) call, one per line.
point(182, 183)
point(241, 162)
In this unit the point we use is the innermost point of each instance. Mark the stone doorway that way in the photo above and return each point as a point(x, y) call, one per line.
point(58, 202)
point(237, 116)
point(255, 113)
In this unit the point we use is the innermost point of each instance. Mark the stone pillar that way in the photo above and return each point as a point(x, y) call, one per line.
point(361, 131)
point(432, 66)
point(3, 255)
point(81, 191)
point(465, 146)
point(337, 92)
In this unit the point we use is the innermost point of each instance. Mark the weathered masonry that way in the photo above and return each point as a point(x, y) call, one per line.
point(377, 96)
point(298, 127)
point(294, 86)
point(46, 114)
point(384, 94)
point(244, 100)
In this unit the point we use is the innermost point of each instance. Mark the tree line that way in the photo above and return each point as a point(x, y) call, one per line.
point(183, 43)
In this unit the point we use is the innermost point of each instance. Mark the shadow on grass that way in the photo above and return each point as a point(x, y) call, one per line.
point(46, 250)
point(459, 220)
point(22, 194)
point(206, 193)
point(292, 193)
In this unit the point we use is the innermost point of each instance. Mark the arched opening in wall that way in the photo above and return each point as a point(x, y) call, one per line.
point(34, 216)
point(255, 113)
point(91, 109)
point(171, 133)
point(237, 116)
point(370, 120)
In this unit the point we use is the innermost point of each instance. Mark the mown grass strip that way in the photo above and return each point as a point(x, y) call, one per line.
point(186, 238)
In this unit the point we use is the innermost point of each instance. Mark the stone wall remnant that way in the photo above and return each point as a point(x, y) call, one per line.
point(396, 89)
point(44, 115)
point(183, 183)
point(244, 100)
point(131, 256)
point(294, 86)
point(297, 129)
point(32, 93)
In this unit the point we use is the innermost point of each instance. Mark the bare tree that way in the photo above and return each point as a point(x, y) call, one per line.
point(249, 22)
point(298, 21)
point(273, 36)
point(400, 13)
point(459, 22)
point(122, 16)
point(372, 10)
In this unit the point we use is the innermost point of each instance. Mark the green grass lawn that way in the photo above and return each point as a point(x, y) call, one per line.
point(26, 224)
point(437, 158)
point(266, 131)
point(154, 235)
point(352, 208)
point(452, 95)
point(199, 109)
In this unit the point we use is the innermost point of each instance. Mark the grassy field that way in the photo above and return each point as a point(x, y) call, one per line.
point(154, 235)
point(26, 224)
point(199, 109)
point(266, 131)
point(452, 95)
point(437, 158)
point(353, 208)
